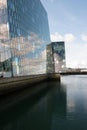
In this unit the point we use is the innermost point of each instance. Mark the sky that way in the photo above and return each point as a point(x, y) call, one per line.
point(68, 22)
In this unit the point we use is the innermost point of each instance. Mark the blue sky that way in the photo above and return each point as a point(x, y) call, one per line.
point(68, 22)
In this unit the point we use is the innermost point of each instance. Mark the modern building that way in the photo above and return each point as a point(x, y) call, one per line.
point(24, 34)
point(56, 57)
point(50, 59)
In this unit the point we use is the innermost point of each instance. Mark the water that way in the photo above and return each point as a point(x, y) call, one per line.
point(58, 107)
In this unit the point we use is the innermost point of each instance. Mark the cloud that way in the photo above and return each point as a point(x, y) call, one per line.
point(56, 37)
point(76, 55)
point(84, 37)
point(69, 37)
point(76, 64)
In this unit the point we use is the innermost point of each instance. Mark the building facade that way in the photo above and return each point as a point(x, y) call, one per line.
point(56, 57)
point(24, 34)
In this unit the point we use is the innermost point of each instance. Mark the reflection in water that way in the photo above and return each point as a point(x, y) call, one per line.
point(76, 88)
point(58, 107)
point(36, 112)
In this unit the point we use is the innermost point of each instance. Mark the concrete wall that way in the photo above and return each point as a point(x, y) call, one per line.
point(8, 85)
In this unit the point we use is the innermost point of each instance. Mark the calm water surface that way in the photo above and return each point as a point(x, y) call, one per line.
point(58, 107)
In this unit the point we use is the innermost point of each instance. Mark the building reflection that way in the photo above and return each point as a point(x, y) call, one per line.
point(22, 40)
point(43, 110)
point(76, 98)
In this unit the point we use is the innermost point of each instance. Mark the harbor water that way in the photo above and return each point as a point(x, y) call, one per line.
point(57, 106)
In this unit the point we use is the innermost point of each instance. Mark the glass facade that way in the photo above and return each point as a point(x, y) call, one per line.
point(24, 34)
point(56, 63)
point(50, 59)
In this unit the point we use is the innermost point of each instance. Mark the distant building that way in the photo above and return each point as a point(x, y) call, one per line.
point(56, 57)
point(24, 34)
point(50, 59)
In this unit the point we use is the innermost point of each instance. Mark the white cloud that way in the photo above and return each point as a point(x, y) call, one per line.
point(69, 37)
point(76, 55)
point(84, 37)
point(77, 64)
point(56, 37)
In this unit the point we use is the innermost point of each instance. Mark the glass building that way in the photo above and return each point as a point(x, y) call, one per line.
point(56, 57)
point(24, 34)
point(50, 59)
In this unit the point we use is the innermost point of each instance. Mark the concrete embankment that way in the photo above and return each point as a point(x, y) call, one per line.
point(8, 85)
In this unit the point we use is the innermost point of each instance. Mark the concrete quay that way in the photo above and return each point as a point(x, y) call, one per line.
point(8, 85)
